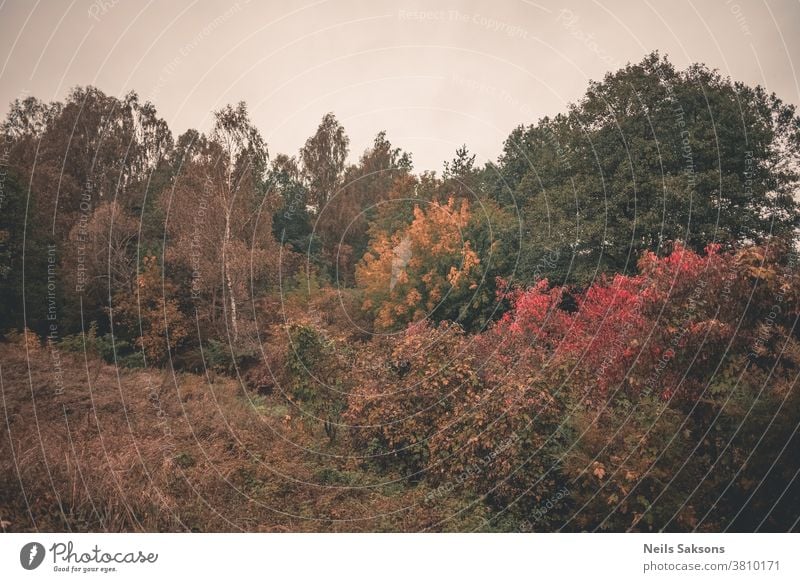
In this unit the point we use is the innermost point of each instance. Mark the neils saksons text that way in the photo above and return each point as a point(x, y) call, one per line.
point(682, 549)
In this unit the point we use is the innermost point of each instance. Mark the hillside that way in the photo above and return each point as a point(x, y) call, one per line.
point(123, 450)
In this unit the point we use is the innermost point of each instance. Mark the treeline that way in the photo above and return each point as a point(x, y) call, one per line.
point(607, 311)
point(650, 155)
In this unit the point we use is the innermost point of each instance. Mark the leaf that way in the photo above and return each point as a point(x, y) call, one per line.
point(599, 470)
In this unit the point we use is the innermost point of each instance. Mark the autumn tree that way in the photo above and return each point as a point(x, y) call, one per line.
point(151, 316)
point(219, 216)
point(445, 263)
point(425, 270)
point(342, 225)
point(102, 259)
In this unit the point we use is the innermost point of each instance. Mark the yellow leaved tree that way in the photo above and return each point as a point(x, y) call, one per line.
point(427, 269)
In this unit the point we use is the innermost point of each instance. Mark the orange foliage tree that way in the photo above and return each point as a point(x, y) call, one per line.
point(425, 269)
point(151, 316)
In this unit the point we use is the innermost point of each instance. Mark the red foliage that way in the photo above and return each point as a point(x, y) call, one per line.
point(644, 332)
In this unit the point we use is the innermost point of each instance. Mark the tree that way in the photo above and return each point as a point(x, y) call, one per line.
point(102, 260)
point(323, 157)
point(12, 252)
point(461, 178)
point(91, 148)
point(219, 214)
point(444, 262)
point(343, 223)
point(76, 157)
point(291, 222)
point(151, 316)
point(425, 270)
point(652, 154)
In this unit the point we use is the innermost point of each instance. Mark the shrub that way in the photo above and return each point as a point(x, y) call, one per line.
point(399, 410)
point(317, 376)
point(150, 316)
point(224, 358)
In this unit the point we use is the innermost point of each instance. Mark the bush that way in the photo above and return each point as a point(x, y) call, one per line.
point(226, 359)
point(663, 400)
point(317, 376)
point(110, 349)
point(397, 411)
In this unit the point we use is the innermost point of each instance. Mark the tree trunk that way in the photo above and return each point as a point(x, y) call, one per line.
point(228, 281)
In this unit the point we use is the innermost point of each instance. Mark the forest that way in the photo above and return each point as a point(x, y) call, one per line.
point(597, 331)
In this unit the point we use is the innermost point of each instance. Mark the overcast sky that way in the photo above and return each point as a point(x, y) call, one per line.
point(433, 74)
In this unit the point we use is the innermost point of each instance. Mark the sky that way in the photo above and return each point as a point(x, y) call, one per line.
point(434, 75)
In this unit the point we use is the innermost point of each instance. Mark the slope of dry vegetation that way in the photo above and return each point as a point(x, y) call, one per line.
point(123, 450)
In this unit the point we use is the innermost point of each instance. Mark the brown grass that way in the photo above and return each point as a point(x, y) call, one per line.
point(136, 450)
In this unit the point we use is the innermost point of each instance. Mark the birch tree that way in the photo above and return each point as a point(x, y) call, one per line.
point(219, 215)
